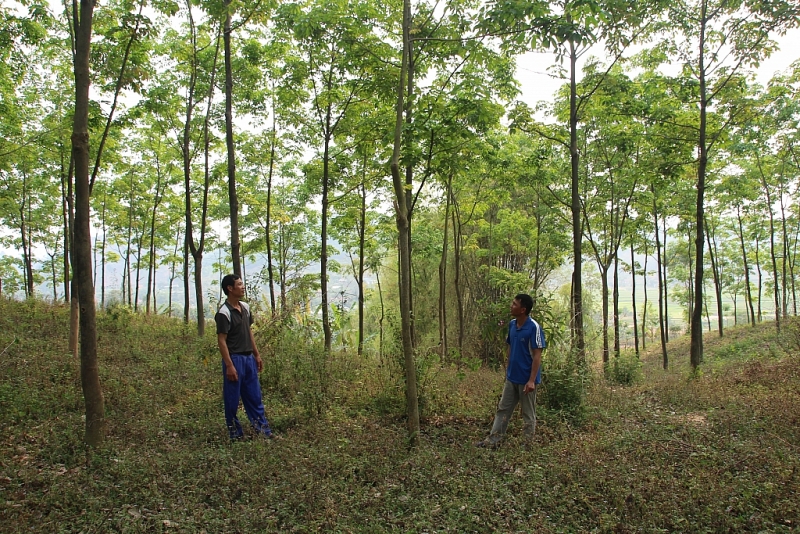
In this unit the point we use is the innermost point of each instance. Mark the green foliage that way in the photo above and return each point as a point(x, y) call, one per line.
point(625, 369)
point(564, 385)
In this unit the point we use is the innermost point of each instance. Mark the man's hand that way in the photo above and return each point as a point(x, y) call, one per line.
point(231, 374)
point(529, 387)
point(259, 363)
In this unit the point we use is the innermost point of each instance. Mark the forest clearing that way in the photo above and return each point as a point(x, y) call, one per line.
point(669, 452)
point(646, 208)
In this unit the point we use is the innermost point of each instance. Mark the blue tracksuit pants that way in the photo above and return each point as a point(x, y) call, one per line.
point(249, 389)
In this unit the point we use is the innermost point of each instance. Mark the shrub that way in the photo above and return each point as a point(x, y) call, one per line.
point(564, 385)
point(624, 369)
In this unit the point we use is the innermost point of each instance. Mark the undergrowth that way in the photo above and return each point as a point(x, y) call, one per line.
point(669, 451)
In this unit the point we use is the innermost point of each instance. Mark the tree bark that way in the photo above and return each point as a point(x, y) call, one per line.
point(578, 340)
point(403, 228)
point(716, 272)
point(268, 224)
point(661, 326)
point(696, 328)
point(233, 200)
point(633, 302)
point(746, 267)
point(90, 378)
point(323, 260)
point(443, 274)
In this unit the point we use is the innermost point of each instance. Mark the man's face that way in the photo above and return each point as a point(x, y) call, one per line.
point(517, 310)
point(237, 289)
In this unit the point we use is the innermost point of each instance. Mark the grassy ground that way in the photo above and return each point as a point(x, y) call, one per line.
point(714, 452)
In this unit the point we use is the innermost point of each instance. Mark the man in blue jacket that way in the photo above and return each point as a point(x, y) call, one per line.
point(525, 343)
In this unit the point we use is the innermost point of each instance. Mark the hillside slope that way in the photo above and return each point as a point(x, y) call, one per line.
point(716, 452)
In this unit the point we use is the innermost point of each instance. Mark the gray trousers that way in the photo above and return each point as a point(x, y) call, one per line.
point(513, 395)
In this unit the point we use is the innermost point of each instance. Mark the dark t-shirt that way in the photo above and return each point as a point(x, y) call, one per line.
point(236, 325)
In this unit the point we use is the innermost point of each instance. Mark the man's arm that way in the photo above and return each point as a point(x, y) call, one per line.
point(230, 370)
point(536, 355)
point(259, 363)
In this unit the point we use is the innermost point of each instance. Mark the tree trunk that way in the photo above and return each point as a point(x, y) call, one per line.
point(409, 174)
point(233, 200)
point(604, 291)
point(443, 273)
point(749, 293)
point(403, 228)
point(772, 253)
point(715, 269)
point(578, 340)
point(90, 379)
point(785, 262)
point(696, 332)
point(457, 245)
point(151, 267)
point(268, 224)
point(138, 271)
point(362, 231)
point(633, 302)
point(644, 302)
point(65, 212)
point(661, 326)
point(615, 310)
point(760, 280)
point(323, 260)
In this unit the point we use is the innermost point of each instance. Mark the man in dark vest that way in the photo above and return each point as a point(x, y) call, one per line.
point(241, 361)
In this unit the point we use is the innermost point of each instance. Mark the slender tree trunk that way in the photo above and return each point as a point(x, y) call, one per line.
point(443, 273)
point(127, 274)
point(323, 260)
point(716, 272)
point(689, 268)
point(186, 279)
point(268, 224)
point(25, 238)
point(90, 377)
point(403, 228)
point(633, 302)
point(603, 268)
point(362, 231)
point(457, 245)
point(172, 274)
point(749, 292)
point(138, 271)
point(409, 113)
point(103, 257)
point(380, 319)
point(772, 253)
point(615, 297)
point(151, 267)
point(74, 305)
point(233, 200)
point(661, 325)
point(696, 332)
point(760, 279)
point(666, 280)
point(644, 302)
point(578, 341)
point(785, 262)
point(792, 264)
point(65, 215)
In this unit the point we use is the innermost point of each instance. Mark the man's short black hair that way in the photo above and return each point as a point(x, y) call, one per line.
point(526, 301)
point(229, 280)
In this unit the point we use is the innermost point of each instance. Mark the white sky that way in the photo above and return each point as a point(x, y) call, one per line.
point(538, 84)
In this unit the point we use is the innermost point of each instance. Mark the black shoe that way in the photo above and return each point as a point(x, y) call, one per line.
point(487, 444)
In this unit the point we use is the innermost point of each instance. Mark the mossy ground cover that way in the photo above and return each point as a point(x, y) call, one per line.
point(717, 451)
